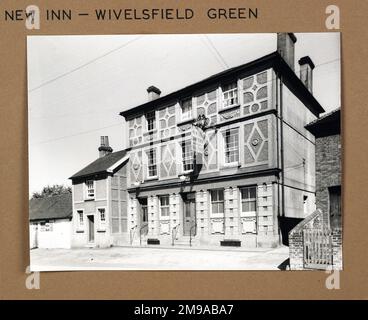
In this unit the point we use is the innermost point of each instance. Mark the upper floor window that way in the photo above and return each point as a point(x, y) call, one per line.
point(152, 163)
point(46, 226)
point(164, 206)
point(186, 109)
point(231, 139)
point(151, 120)
point(90, 189)
point(187, 153)
point(248, 199)
point(230, 95)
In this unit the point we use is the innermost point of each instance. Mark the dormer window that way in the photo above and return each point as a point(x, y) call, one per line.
point(186, 109)
point(90, 189)
point(151, 121)
point(230, 95)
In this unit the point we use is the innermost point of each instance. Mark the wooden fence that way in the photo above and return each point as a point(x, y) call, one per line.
point(317, 248)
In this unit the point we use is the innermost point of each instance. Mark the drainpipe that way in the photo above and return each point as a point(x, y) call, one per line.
point(277, 144)
point(278, 155)
point(282, 149)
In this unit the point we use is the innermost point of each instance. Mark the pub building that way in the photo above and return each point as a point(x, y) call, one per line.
point(221, 161)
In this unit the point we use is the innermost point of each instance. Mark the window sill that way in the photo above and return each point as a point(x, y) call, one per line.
point(147, 133)
point(101, 230)
point(186, 173)
point(151, 178)
point(89, 199)
point(234, 106)
point(79, 231)
point(181, 122)
point(230, 165)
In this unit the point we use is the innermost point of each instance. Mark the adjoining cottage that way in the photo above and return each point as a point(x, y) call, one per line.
point(327, 131)
point(222, 160)
point(316, 242)
point(50, 221)
point(100, 200)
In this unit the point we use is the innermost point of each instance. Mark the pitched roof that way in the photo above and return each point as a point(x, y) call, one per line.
point(101, 165)
point(54, 207)
point(273, 59)
point(326, 125)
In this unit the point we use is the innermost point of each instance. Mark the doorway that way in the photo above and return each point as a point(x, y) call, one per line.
point(189, 214)
point(143, 215)
point(334, 194)
point(91, 229)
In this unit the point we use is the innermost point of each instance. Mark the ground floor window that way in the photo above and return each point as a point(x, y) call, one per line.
point(217, 201)
point(102, 214)
point(248, 199)
point(102, 218)
point(80, 217)
point(164, 206)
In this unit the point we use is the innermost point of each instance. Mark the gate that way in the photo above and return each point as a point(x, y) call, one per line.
point(317, 248)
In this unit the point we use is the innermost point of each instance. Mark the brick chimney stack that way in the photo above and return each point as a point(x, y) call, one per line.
point(306, 72)
point(286, 48)
point(153, 93)
point(104, 149)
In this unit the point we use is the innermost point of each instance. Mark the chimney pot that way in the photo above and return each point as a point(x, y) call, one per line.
point(153, 93)
point(306, 72)
point(104, 148)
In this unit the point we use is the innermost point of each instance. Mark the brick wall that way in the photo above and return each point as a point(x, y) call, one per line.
point(328, 168)
point(337, 248)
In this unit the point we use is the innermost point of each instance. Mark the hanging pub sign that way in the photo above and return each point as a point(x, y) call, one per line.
point(198, 141)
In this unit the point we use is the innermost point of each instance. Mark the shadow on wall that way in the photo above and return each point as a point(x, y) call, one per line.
point(286, 225)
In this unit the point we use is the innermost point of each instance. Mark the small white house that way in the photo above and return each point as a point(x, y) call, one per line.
point(50, 223)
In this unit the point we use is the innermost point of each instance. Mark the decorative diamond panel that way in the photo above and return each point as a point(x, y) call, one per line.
point(256, 143)
point(210, 151)
point(207, 105)
point(255, 93)
point(168, 161)
point(136, 172)
point(167, 122)
point(135, 131)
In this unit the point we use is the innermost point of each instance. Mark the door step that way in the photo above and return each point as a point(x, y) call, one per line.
point(185, 241)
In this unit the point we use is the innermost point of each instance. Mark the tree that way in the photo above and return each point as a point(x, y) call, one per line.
point(50, 191)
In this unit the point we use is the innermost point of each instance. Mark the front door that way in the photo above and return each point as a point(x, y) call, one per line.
point(189, 214)
point(143, 218)
point(91, 229)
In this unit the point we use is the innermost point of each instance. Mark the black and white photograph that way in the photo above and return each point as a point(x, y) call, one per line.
point(185, 152)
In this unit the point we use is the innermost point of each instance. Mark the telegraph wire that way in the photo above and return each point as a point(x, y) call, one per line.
point(218, 54)
point(83, 65)
point(118, 108)
point(76, 134)
point(90, 62)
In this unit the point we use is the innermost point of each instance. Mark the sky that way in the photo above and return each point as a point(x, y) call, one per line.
point(77, 85)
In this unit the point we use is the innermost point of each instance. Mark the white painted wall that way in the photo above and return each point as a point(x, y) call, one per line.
point(58, 237)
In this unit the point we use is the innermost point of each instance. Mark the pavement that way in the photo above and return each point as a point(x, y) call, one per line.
point(157, 258)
